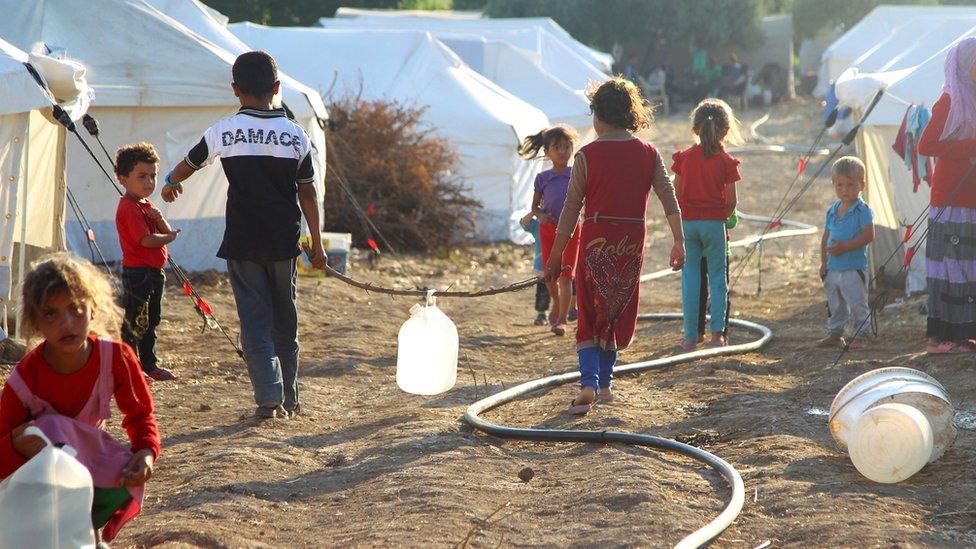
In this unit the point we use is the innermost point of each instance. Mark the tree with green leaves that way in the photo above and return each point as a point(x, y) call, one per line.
point(603, 23)
point(288, 13)
point(810, 16)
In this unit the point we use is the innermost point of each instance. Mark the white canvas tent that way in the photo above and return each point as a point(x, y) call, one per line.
point(873, 31)
point(599, 59)
point(518, 72)
point(556, 55)
point(889, 189)
point(155, 81)
point(32, 160)
point(482, 121)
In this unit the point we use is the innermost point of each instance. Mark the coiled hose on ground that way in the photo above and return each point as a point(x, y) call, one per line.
point(717, 525)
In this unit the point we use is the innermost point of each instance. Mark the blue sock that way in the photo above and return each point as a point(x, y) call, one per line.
point(589, 365)
point(607, 361)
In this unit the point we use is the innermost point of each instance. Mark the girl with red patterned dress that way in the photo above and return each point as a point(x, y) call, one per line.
point(611, 181)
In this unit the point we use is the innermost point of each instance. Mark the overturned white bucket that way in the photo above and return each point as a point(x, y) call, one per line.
point(892, 421)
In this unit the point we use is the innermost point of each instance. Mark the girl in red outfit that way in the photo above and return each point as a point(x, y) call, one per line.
point(64, 386)
point(612, 178)
point(950, 257)
point(551, 187)
point(705, 177)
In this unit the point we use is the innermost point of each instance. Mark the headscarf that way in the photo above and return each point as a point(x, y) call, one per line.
point(961, 123)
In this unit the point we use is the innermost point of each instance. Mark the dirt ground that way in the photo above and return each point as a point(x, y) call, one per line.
point(368, 465)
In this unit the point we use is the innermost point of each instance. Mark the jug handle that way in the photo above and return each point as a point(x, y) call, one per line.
point(430, 298)
point(35, 431)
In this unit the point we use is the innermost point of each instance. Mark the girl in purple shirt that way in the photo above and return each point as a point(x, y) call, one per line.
point(551, 186)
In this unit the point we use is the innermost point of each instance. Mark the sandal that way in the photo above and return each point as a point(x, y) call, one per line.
point(947, 348)
point(579, 409)
point(559, 328)
point(688, 346)
point(605, 398)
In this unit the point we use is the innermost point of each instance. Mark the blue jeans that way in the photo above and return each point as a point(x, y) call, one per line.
point(596, 367)
point(265, 296)
point(705, 238)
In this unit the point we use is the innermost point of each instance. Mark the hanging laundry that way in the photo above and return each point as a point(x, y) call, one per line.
point(906, 145)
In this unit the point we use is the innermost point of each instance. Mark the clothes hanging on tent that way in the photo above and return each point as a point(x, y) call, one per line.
point(906, 145)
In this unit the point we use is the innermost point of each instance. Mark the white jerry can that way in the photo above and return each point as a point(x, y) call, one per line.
point(427, 351)
point(47, 502)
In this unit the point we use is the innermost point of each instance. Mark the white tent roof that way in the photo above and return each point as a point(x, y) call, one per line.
point(468, 21)
point(453, 15)
point(517, 71)
point(919, 84)
point(481, 120)
point(557, 55)
point(154, 80)
point(875, 28)
point(199, 19)
point(150, 41)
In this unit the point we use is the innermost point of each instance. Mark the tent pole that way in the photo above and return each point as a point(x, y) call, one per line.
point(23, 222)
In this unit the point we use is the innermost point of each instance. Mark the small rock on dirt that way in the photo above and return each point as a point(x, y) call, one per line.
point(526, 474)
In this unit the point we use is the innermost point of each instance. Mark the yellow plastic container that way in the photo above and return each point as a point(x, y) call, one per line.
point(336, 246)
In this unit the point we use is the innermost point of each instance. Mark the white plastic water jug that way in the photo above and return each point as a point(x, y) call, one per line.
point(427, 350)
point(47, 502)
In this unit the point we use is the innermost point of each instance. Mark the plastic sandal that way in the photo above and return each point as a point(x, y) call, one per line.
point(579, 409)
point(560, 328)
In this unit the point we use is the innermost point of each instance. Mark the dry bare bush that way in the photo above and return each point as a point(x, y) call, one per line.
point(402, 176)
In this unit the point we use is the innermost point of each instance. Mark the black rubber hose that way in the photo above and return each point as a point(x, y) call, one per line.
point(695, 539)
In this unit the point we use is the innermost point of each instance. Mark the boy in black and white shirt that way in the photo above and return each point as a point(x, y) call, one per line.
point(267, 159)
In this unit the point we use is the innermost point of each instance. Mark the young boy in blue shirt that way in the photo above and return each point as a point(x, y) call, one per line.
point(848, 228)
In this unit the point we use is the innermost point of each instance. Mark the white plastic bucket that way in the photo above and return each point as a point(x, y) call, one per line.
point(904, 386)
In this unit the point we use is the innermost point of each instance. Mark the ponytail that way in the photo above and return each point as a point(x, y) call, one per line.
point(708, 136)
point(715, 124)
point(532, 144)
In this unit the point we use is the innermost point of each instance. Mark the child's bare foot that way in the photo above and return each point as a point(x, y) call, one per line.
point(606, 395)
point(831, 341)
point(701, 338)
point(718, 340)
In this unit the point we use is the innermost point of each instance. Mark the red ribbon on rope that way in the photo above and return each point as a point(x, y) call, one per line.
point(187, 289)
point(204, 306)
point(909, 254)
point(908, 234)
point(372, 244)
point(801, 166)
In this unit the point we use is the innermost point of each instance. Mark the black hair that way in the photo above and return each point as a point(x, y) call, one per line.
point(618, 102)
point(128, 156)
point(255, 73)
point(532, 144)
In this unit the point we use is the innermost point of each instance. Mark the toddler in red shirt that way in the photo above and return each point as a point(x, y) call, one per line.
point(705, 177)
point(143, 236)
point(65, 385)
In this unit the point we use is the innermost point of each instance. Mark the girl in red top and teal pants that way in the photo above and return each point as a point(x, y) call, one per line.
point(611, 180)
point(705, 177)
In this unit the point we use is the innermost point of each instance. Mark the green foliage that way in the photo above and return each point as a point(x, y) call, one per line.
point(601, 23)
point(287, 13)
point(809, 16)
